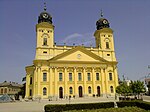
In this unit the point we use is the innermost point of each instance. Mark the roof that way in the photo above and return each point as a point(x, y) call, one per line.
point(12, 84)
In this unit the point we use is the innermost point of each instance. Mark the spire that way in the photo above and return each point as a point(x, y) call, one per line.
point(101, 13)
point(45, 6)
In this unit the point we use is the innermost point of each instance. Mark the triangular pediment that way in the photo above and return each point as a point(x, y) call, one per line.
point(78, 54)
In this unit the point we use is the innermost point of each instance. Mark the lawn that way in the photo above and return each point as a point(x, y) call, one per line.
point(125, 109)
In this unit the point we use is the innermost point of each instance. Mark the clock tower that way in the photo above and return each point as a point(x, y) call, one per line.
point(44, 34)
point(104, 38)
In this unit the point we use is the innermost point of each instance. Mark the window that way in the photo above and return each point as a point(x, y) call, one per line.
point(110, 76)
point(30, 80)
point(111, 89)
point(44, 76)
point(70, 76)
point(97, 76)
point(5, 90)
point(88, 77)
point(70, 90)
point(60, 76)
point(1, 91)
point(79, 77)
point(45, 52)
point(107, 45)
point(44, 91)
point(44, 41)
point(108, 54)
point(89, 90)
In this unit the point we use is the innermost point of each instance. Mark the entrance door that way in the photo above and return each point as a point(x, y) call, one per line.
point(60, 92)
point(80, 91)
point(98, 91)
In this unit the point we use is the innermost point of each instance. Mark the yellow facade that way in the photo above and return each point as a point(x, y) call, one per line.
point(71, 71)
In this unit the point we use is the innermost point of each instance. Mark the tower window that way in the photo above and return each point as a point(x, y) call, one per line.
point(30, 80)
point(79, 77)
point(60, 76)
point(44, 41)
point(107, 45)
point(110, 76)
point(44, 76)
point(108, 54)
point(70, 76)
point(45, 52)
point(88, 76)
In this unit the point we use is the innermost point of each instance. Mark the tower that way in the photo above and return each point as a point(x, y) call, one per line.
point(44, 34)
point(104, 38)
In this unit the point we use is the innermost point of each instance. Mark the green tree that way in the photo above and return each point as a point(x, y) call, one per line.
point(137, 87)
point(123, 89)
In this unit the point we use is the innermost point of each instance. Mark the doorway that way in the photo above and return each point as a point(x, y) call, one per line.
point(60, 92)
point(80, 91)
point(98, 91)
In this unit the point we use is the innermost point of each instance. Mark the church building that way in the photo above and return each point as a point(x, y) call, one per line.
point(61, 71)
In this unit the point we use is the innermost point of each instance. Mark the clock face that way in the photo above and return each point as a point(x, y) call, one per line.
point(105, 21)
point(45, 16)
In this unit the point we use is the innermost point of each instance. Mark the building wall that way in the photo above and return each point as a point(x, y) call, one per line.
point(53, 59)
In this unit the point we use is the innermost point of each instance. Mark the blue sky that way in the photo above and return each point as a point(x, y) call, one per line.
point(74, 22)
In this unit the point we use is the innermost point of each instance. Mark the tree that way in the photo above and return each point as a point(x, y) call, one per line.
point(137, 87)
point(123, 89)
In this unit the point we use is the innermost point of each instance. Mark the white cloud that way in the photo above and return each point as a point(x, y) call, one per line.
point(78, 39)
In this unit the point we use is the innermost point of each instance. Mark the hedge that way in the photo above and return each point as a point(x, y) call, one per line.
point(66, 107)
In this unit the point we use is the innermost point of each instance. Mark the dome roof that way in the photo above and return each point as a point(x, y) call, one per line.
point(102, 23)
point(45, 17)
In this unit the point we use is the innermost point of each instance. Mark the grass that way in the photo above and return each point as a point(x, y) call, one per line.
point(125, 109)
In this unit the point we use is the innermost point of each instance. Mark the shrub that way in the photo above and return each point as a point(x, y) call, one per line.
point(59, 108)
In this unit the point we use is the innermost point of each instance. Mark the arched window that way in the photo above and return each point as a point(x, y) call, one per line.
point(70, 90)
point(2, 91)
point(89, 90)
point(111, 89)
point(44, 91)
point(44, 41)
point(110, 76)
point(5, 90)
point(107, 45)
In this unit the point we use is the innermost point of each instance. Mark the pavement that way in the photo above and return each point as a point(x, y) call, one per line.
point(36, 106)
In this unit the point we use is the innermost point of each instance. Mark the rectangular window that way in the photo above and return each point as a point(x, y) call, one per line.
point(79, 77)
point(97, 76)
point(70, 76)
point(60, 76)
point(44, 76)
point(88, 77)
point(110, 76)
